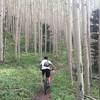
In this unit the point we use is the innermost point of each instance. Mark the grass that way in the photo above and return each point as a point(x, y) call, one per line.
point(19, 81)
point(61, 87)
point(95, 89)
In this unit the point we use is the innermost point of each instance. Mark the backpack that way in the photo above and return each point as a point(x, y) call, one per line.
point(46, 64)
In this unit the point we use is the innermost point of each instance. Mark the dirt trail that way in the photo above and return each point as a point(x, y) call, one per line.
point(40, 94)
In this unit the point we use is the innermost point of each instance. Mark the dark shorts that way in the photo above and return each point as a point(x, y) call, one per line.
point(46, 72)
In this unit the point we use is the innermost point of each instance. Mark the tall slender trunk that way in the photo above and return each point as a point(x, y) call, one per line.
point(78, 50)
point(69, 39)
point(89, 39)
point(39, 35)
point(46, 27)
point(85, 49)
point(56, 30)
point(54, 49)
point(99, 64)
point(1, 30)
point(26, 28)
point(35, 38)
point(35, 27)
point(41, 40)
point(40, 29)
point(45, 38)
point(17, 34)
point(99, 50)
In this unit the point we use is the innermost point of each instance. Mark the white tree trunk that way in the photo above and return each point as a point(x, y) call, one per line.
point(1, 29)
point(26, 28)
point(46, 27)
point(85, 49)
point(78, 51)
point(99, 63)
point(35, 38)
point(69, 38)
point(89, 39)
point(18, 30)
point(99, 50)
point(35, 27)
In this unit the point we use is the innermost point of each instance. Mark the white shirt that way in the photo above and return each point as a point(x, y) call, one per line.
point(42, 63)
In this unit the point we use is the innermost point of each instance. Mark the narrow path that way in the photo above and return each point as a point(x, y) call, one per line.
point(40, 94)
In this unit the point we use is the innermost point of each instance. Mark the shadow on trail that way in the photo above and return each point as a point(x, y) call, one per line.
point(41, 96)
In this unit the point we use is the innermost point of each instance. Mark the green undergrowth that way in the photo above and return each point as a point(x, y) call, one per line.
point(21, 79)
point(95, 89)
point(61, 87)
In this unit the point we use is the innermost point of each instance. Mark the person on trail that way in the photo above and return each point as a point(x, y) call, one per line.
point(45, 67)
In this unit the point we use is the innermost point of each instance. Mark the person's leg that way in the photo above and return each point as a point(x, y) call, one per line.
point(43, 72)
point(49, 80)
point(48, 76)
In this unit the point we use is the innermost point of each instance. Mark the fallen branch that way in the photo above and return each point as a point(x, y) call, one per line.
point(95, 77)
point(89, 97)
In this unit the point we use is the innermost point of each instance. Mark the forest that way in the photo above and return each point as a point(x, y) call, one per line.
point(67, 31)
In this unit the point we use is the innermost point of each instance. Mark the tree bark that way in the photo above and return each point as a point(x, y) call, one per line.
point(89, 39)
point(46, 27)
point(85, 49)
point(69, 39)
point(26, 28)
point(99, 50)
point(17, 34)
point(1, 30)
point(78, 50)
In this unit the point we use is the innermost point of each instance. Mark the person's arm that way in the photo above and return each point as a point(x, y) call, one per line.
point(41, 66)
point(52, 65)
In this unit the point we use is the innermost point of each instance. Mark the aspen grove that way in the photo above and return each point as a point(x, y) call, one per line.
point(43, 27)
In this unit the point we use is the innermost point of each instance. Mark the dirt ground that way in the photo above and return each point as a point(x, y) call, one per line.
point(40, 94)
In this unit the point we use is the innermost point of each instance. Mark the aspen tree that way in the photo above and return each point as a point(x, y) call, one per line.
point(99, 49)
point(69, 38)
point(99, 63)
point(53, 23)
point(26, 27)
point(78, 50)
point(89, 38)
point(85, 49)
point(35, 29)
point(1, 30)
point(65, 5)
point(17, 34)
point(56, 30)
point(39, 28)
point(49, 23)
point(46, 26)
